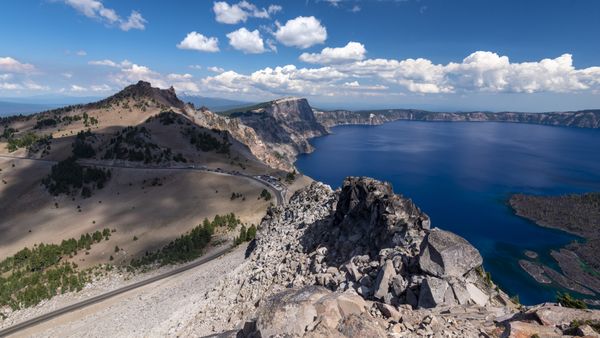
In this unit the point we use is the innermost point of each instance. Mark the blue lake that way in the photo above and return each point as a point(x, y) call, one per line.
point(461, 175)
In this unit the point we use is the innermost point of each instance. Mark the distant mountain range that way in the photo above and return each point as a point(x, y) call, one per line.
point(35, 104)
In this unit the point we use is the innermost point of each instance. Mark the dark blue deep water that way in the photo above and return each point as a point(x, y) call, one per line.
point(461, 174)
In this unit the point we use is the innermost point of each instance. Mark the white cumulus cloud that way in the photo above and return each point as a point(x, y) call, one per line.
point(199, 42)
point(95, 9)
point(353, 51)
point(247, 41)
point(135, 21)
point(8, 64)
point(301, 32)
point(241, 11)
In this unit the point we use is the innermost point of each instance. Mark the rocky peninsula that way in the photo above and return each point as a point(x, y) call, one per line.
point(578, 215)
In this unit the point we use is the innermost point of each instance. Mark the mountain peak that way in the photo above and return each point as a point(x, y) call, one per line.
point(143, 89)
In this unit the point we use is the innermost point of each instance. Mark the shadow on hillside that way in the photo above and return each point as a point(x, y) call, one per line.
point(24, 196)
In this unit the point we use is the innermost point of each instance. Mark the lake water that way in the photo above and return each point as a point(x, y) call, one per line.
point(461, 175)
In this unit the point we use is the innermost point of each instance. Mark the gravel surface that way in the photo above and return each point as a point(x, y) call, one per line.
point(157, 309)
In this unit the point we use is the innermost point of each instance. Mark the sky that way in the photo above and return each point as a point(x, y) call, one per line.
point(493, 55)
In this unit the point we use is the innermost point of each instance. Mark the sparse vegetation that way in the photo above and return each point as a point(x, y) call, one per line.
point(82, 149)
point(27, 140)
point(133, 144)
point(45, 123)
point(179, 158)
point(8, 132)
point(32, 275)
point(566, 300)
point(190, 245)
point(265, 194)
point(206, 142)
point(246, 235)
point(68, 177)
point(166, 118)
point(290, 177)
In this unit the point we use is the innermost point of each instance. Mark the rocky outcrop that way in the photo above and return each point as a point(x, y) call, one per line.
point(360, 241)
point(581, 119)
point(285, 125)
point(144, 90)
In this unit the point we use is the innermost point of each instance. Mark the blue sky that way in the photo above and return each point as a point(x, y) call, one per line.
point(438, 54)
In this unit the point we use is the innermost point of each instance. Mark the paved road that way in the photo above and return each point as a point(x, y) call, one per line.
point(99, 298)
point(35, 321)
point(279, 194)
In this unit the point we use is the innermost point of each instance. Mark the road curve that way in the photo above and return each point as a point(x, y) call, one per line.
point(50, 315)
point(278, 193)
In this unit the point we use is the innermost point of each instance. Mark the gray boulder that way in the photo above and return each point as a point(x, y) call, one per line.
point(317, 312)
point(444, 254)
point(383, 279)
point(432, 292)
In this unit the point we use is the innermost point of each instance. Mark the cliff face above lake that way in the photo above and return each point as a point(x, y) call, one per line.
point(581, 119)
point(283, 125)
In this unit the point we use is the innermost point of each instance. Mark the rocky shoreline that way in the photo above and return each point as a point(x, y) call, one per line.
point(580, 119)
point(576, 214)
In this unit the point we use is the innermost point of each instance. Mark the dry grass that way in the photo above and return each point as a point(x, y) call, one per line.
point(129, 204)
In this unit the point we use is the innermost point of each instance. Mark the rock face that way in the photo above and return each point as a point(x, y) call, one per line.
point(361, 241)
point(285, 125)
point(243, 134)
point(581, 119)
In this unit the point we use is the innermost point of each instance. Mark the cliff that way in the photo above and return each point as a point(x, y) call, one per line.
point(243, 134)
point(285, 125)
point(580, 119)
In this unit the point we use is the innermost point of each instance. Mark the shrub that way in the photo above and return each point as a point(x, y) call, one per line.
point(265, 194)
point(566, 300)
point(290, 177)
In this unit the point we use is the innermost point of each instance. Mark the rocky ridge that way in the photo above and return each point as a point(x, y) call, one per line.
point(581, 119)
point(336, 261)
point(143, 89)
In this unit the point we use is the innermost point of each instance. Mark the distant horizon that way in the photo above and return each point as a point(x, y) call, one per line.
point(54, 101)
